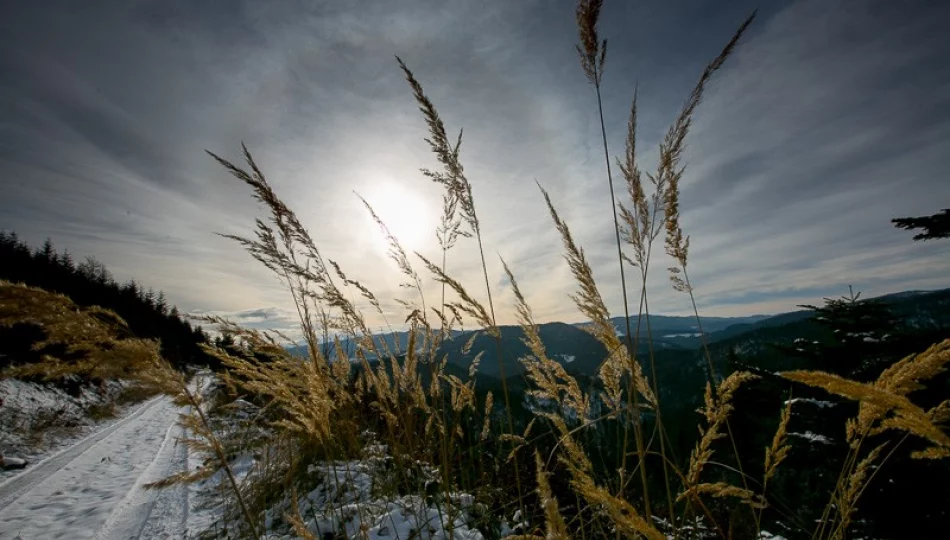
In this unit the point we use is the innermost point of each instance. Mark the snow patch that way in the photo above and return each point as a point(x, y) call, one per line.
point(816, 402)
point(37, 420)
point(813, 437)
point(347, 502)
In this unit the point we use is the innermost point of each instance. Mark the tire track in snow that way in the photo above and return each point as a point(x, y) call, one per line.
point(35, 474)
point(131, 515)
point(94, 489)
point(167, 517)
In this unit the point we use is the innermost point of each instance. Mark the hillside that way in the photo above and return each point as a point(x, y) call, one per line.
point(676, 338)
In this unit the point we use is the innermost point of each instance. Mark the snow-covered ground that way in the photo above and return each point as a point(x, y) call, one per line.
point(38, 420)
point(94, 489)
point(345, 502)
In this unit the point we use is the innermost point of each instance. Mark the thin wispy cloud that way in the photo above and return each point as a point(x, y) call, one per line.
point(279, 319)
point(830, 120)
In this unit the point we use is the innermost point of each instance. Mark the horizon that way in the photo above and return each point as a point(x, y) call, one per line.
point(809, 141)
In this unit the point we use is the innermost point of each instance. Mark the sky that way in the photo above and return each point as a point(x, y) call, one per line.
point(829, 120)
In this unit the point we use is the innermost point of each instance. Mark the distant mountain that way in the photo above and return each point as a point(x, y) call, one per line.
point(927, 313)
point(576, 349)
point(581, 353)
point(678, 332)
point(395, 342)
point(922, 310)
point(664, 326)
point(768, 322)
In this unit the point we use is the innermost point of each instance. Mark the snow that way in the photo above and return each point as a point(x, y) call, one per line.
point(37, 420)
point(406, 517)
point(7, 462)
point(346, 500)
point(813, 437)
point(699, 529)
point(94, 489)
point(816, 402)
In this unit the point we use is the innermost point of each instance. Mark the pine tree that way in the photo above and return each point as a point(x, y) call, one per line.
point(935, 226)
point(131, 289)
point(66, 262)
point(95, 271)
point(88, 284)
point(8, 241)
point(858, 334)
point(161, 304)
point(47, 252)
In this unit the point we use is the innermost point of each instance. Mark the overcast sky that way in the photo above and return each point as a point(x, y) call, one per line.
point(830, 119)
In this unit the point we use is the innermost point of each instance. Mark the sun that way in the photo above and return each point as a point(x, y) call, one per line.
point(404, 212)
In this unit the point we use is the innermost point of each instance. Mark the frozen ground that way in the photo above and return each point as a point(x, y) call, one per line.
point(38, 420)
point(94, 489)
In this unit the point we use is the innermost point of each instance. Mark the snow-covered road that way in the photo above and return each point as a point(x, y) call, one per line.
point(94, 489)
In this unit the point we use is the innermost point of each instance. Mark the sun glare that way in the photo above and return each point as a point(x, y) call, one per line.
point(405, 214)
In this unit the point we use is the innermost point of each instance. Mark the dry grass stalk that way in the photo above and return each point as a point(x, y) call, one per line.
point(638, 222)
point(552, 380)
point(716, 411)
point(623, 515)
point(670, 170)
point(573, 455)
point(286, 248)
point(305, 395)
point(589, 301)
point(884, 404)
point(593, 54)
point(639, 229)
point(722, 490)
point(395, 391)
point(486, 425)
point(775, 454)
point(553, 520)
point(591, 49)
point(778, 451)
point(459, 191)
point(468, 305)
point(667, 178)
point(856, 482)
point(452, 177)
point(398, 256)
point(296, 520)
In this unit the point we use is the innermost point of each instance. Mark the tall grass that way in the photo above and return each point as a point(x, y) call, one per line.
point(409, 398)
point(546, 474)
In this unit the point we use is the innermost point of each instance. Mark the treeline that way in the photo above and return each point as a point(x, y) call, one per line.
point(89, 283)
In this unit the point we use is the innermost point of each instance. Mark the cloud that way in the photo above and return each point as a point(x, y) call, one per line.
point(829, 120)
point(276, 318)
point(812, 141)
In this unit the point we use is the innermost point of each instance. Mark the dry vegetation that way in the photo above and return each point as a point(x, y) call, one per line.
point(320, 409)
